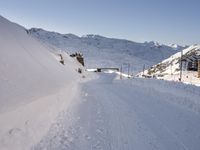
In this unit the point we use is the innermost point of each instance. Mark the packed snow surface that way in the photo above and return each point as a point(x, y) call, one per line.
point(128, 114)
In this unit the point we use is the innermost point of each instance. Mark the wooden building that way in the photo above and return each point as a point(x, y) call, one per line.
point(191, 62)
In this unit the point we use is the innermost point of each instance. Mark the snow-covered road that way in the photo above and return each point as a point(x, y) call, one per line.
point(126, 115)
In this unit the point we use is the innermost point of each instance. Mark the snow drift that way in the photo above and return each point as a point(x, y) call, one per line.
point(34, 86)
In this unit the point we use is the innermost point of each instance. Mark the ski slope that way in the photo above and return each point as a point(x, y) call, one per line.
point(132, 114)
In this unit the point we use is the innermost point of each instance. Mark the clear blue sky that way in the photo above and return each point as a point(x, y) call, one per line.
point(165, 21)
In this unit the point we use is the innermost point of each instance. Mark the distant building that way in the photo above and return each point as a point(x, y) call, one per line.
point(107, 69)
point(191, 62)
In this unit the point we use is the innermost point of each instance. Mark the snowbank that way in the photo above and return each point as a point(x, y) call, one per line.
point(188, 94)
point(34, 87)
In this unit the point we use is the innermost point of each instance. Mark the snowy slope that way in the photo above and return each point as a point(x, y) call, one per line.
point(44, 106)
point(106, 52)
point(177, 47)
point(170, 68)
point(25, 64)
point(34, 86)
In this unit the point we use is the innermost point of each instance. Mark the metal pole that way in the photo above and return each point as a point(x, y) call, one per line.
point(181, 66)
point(171, 68)
point(128, 69)
point(121, 72)
point(143, 69)
point(199, 68)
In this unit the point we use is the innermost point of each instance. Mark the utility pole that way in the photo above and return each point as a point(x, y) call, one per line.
point(128, 70)
point(171, 68)
point(199, 68)
point(180, 79)
point(127, 66)
point(121, 72)
point(143, 69)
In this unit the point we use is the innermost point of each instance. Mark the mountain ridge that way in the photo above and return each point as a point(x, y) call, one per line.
point(100, 51)
point(97, 36)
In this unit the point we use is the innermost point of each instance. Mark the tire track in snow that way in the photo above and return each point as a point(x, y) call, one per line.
point(114, 116)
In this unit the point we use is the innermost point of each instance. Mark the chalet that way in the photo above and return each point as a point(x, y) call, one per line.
point(191, 62)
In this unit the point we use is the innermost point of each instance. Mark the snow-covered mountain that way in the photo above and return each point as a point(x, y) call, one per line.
point(107, 52)
point(170, 67)
point(34, 86)
point(43, 104)
point(177, 47)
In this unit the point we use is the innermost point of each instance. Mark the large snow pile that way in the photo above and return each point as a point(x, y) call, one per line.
point(170, 68)
point(34, 86)
point(107, 52)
